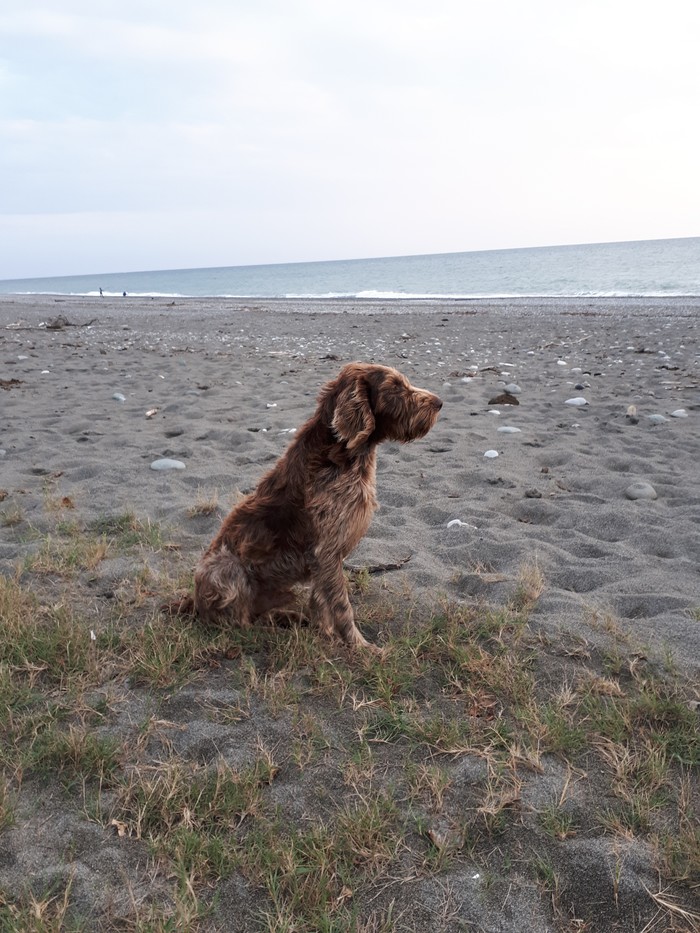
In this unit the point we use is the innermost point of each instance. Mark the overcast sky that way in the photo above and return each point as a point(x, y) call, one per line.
point(153, 134)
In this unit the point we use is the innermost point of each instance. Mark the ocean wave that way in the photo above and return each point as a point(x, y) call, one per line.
point(373, 295)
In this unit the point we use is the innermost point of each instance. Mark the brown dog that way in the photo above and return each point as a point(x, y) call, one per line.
point(313, 507)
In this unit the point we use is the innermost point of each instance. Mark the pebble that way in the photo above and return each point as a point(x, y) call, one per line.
point(657, 418)
point(167, 464)
point(507, 429)
point(562, 363)
point(513, 388)
point(458, 523)
point(579, 401)
point(640, 490)
point(3, 453)
point(118, 397)
point(679, 413)
point(579, 387)
point(491, 454)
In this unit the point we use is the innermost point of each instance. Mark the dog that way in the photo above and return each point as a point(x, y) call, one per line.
point(312, 508)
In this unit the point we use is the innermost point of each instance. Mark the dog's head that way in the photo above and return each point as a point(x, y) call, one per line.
point(368, 404)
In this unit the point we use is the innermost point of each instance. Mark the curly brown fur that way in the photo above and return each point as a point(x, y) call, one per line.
point(312, 508)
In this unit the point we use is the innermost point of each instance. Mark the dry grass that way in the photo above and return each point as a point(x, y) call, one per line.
point(315, 779)
point(204, 504)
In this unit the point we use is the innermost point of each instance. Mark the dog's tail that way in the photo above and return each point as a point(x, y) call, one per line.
point(182, 606)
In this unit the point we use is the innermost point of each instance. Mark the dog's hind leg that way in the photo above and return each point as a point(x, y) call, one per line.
point(222, 589)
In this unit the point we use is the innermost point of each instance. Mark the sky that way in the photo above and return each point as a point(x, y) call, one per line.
point(159, 134)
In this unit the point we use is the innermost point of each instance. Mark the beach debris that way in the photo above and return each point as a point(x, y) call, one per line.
point(59, 322)
point(458, 523)
point(118, 397)
point(632, 414)
point(562, 363)
point(513, 388)
point(657, 418)
point(579, 401)
point(378, 568)
point(151, 412)
point(640, 490)
point(508, 429)
point(271, 405)
point(491, 454)
point(10, 383)
point(679, 413)
point(167, 464)
point(505, 398)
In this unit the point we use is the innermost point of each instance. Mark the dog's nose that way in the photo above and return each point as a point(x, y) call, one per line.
point(437, 402)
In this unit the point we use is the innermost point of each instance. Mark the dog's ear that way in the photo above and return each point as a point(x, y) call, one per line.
point(353, 420)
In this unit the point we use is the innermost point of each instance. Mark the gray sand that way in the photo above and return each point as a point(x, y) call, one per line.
point(215, 368)
point(225, 382)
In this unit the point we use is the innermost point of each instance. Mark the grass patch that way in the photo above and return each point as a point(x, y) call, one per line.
point(374, 773)
point(125, 531)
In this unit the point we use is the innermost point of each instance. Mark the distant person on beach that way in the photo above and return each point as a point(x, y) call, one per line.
point(101, 295)
point(123, 294)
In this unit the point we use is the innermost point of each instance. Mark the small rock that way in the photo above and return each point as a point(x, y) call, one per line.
point(679, 413)
point(507, 429)
point(505, 398)
point(657, 418)
point(513, 388)
point(579, 387)
point(167, 464)
point(491, 454)
point(533, 494)
point(118, 397)
point(579, 401)
point(640, 490)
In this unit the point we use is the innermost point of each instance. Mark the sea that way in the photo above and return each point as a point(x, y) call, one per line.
point(642, 268)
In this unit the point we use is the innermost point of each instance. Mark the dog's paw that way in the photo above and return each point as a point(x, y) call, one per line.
point(182, 606)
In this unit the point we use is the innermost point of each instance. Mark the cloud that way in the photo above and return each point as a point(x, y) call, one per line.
point(317, 128)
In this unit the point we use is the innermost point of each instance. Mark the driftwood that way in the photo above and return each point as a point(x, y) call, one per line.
point(378, 568)
point(58, 323)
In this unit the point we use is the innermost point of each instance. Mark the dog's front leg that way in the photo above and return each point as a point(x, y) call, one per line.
point(330, 604)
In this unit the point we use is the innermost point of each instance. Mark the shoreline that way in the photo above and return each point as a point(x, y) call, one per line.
point(676, 305)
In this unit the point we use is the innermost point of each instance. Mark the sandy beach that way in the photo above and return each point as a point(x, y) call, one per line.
point(94, 391)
